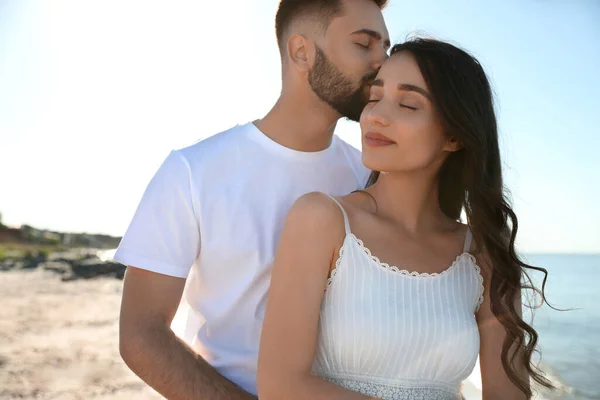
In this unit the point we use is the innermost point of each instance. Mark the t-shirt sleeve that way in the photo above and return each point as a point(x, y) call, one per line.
point(164, 233)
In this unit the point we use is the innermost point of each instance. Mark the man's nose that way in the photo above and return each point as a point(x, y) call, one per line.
point(380, 56)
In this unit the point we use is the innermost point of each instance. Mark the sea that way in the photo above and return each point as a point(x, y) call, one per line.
point(569, 339)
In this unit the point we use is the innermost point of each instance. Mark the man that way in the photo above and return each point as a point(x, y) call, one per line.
point(209, 222)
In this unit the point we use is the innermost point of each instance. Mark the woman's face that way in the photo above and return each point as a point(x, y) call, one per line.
point(400, 128)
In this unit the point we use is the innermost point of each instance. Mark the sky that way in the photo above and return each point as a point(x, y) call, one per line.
point(94, 95)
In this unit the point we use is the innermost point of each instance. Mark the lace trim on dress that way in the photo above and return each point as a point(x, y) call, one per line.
point(403, 271)
point(480, 277)
point(397, 270)
point(337, 265)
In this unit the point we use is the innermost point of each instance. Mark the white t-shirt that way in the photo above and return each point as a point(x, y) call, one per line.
point(213, 214)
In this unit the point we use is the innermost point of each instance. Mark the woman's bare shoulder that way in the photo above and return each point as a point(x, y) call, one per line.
point(316, 210)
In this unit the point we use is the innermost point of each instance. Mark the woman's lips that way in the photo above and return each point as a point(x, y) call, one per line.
point(376, 139)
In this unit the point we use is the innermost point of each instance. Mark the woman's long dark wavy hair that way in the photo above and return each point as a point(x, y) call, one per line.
point(471, 180)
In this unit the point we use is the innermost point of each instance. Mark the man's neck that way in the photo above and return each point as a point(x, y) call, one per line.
point(299, 125)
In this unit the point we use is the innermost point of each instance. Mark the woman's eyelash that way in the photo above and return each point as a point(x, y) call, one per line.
point(401, 105)
point(409, 107)
point(362, 46)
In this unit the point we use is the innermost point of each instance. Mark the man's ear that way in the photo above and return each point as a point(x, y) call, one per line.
point(300, 52)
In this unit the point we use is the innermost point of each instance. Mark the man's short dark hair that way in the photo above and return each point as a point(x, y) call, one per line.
point(323, 10)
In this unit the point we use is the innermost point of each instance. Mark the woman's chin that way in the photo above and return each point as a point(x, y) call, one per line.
point(374, 165)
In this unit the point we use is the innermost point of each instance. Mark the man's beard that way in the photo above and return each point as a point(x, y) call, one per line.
point(335, 89)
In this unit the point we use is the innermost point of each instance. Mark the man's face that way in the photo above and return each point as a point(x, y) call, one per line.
point(349, 56)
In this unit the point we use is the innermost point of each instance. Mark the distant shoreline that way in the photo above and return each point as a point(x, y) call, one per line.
point(26, 235)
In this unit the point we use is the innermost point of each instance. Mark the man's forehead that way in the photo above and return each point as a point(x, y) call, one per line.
point(360, 15)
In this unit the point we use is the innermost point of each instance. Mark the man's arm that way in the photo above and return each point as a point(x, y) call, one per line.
point(152, 350)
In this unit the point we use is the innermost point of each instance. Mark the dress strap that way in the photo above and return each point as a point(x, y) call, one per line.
point(346, 222)
point(468, 239)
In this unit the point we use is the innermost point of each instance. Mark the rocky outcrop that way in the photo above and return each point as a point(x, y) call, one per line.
point(70, 265)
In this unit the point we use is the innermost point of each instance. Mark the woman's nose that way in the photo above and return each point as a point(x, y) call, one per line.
point(378, 114)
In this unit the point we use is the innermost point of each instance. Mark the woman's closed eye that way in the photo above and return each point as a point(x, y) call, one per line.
point(412, 108)
point(403, 105)
point(409, 101)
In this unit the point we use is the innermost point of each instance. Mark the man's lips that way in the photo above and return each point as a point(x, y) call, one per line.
point(377, 139)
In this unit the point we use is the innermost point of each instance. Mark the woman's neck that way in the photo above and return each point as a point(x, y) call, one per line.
point(409, 200)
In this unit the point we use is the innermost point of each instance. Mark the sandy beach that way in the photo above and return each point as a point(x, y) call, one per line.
point(58, 340)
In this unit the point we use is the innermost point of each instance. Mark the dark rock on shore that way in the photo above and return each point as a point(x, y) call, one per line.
point(70, 265)
point(93, 268)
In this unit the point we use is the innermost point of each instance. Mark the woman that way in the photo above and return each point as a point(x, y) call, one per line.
point(341, 321)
